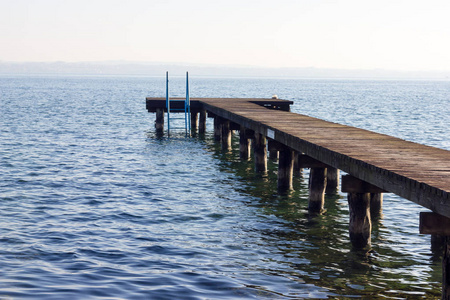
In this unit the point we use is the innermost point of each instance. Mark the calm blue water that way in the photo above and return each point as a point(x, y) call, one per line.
point(94, 205)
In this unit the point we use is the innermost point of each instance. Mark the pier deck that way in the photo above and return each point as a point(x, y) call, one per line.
point(413, 171)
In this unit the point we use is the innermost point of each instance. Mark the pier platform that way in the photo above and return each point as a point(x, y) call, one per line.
point(413, 171)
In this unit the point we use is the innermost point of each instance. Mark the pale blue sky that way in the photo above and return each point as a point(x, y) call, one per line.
point(350, 34)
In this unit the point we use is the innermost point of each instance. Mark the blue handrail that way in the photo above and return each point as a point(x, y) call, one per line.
point(186, 109)
point(168, 102)
point(187, 106)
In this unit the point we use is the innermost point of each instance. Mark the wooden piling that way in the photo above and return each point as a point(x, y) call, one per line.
point(217, 128)
point(285, 169)
point(202, 122)
point(244, 144)
point(298, 170)
point(360, 224)
point(194, 120)
point(359, 201)
point(437, 243)
point(317, 181)
point(317, 184)
point(226, 135)
point(159, 123)
point(273, 155)
point(376, 204)
point(260, 151)
point(332, 180)
point(274, 148)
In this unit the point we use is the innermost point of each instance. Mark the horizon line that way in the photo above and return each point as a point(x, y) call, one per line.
point(152, 68)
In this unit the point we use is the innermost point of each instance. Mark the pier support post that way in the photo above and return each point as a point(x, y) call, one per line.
point(202, 122)
point(297, 164)
point(217, 128)
point(273, 155)
point(260, 151)
point(317, 182)
point(159, 123)
point(226, 135)
point(194, 120)
point(317, 185)
point(285, 169)
point(359, 201)
point(435, 224)
point(244, 144)
point(332, 180)
point(376, 204)
point(360, 225)
point(274, 149)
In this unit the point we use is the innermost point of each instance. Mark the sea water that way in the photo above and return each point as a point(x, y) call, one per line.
point(95, 205)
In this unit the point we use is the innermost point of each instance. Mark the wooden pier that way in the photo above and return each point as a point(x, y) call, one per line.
point(375, 163)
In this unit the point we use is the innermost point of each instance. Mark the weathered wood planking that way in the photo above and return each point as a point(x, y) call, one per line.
point(416, 172)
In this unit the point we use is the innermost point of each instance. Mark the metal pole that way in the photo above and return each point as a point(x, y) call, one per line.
point(188, 104)
point(167, 103)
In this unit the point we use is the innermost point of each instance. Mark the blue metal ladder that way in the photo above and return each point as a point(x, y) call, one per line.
point(186, 108)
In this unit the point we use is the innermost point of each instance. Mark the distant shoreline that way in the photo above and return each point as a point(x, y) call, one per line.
point(157, 69)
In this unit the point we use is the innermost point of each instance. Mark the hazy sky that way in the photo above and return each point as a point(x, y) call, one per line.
point(351, 34)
